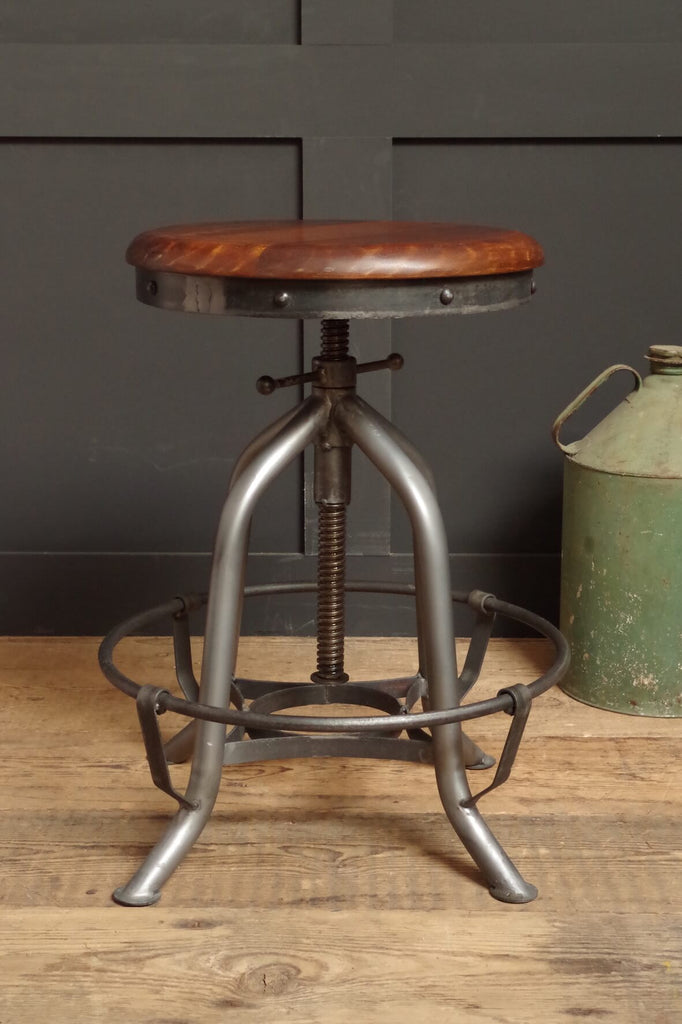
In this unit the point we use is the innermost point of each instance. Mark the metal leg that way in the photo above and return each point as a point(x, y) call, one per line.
point(474, 757)
point(376, 437)
point(220, 649)
point(416, 457)
point(179, 748)
point(259, 442)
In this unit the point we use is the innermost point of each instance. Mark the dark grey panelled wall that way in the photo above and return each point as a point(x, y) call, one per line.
point(119, 423)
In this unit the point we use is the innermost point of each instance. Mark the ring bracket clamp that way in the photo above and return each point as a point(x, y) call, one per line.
point(148, 711)
point(522, 698)
point(478, 646)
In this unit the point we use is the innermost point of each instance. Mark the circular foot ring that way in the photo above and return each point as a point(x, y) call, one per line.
point(256, 720)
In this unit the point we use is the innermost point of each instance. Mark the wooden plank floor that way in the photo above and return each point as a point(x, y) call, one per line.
point(332, 891)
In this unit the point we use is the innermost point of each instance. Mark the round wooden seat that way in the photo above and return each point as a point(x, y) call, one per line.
point(334, 250)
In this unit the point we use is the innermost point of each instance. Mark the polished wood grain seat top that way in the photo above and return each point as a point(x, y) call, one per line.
point(334, 250)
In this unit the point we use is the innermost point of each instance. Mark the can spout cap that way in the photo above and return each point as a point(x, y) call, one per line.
point(665, 358)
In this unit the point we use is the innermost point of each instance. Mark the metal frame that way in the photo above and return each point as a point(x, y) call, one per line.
point(319, 300)
point(334, 419)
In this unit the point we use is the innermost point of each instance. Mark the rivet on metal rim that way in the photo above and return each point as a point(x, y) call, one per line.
point(152, 287)
point(446, 296)
point(282, 299)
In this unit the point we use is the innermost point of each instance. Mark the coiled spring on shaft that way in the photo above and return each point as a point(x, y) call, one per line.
point(331, 576)
point(334, 339)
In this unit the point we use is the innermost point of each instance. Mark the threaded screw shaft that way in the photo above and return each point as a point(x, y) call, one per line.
point(331, 576)
point(335, 339)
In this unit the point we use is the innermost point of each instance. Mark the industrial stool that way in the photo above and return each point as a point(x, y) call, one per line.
point(332, 271)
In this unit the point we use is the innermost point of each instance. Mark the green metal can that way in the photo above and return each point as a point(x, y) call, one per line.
point(621, 586)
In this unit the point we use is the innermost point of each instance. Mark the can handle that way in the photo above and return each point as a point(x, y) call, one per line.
point(573, 406)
